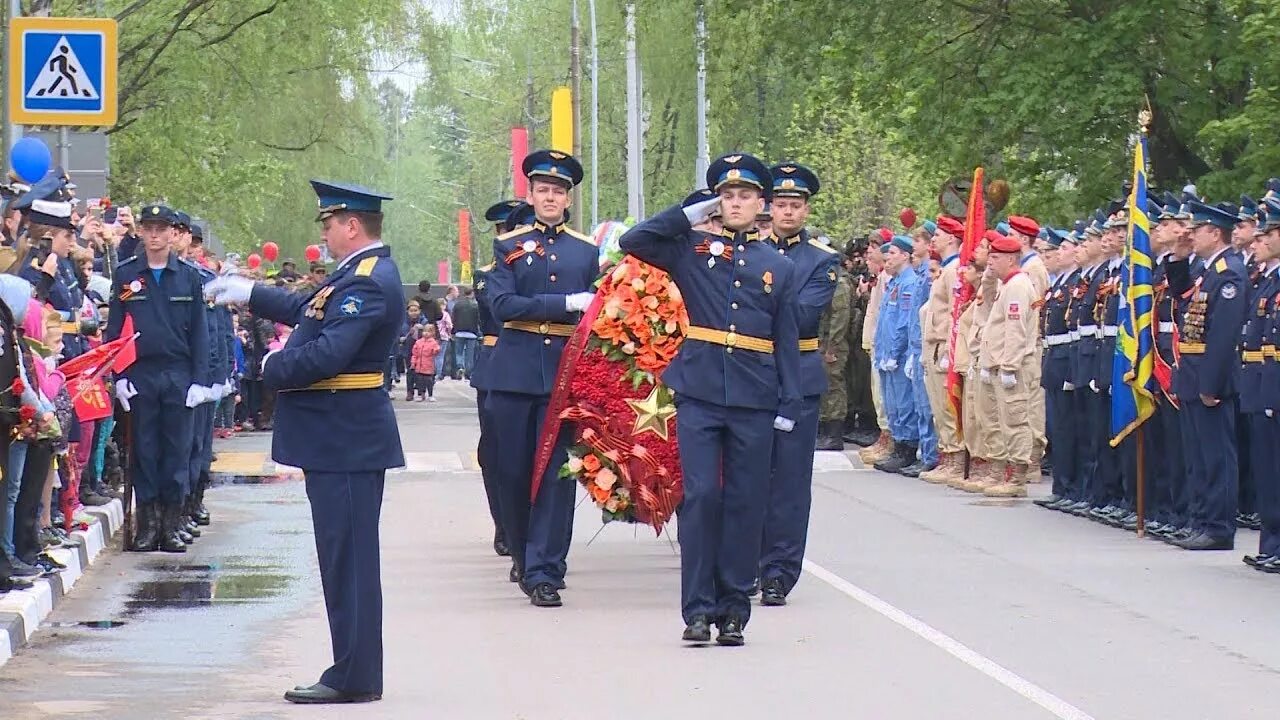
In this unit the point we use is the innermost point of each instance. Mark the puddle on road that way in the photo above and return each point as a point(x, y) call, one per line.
point(90, 624)
point(194, 585)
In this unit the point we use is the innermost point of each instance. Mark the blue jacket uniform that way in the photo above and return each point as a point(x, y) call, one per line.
point(817, 266)
point(1056, 363)
point(490, 329)
point(347, 326)
point(169, 314)
point(893, 329)
point(1085, 324)
point(747, 290)
point(535, 267)
point(1210, 334)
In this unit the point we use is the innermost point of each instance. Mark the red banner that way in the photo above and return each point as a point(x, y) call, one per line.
point(975, 225)
point(464, 236)
point(90, 398)
point(573, 349)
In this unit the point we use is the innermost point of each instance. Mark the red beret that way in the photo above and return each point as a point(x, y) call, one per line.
point(886, 234)
point(1002, 243)
point(951, 226)
point(1024, 225)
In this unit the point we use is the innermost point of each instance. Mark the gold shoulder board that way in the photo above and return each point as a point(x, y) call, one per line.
point(365, 268)
point(488, 267)
point(1220, 266)
point(822, 246)
point(516, 232)
point(574, 233)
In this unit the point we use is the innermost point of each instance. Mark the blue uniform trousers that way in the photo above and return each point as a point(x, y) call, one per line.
point(725, 458)
point(1265, 466)
point(1172, 462)
point(1213, 481)
point(1105, 483)
point(924, 421)
point(163, 426)
point(201, 445)
point(1082, 406)
point(899, 405)
point(1062, 430)
point(345, 508)
point(786, 522)
point(1244, 451)
point(538, 534)
point(484, 455)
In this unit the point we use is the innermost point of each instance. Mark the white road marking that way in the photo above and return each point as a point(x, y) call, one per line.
point(1027, 689)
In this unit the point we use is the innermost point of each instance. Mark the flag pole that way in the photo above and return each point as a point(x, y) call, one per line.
point(1144, 124)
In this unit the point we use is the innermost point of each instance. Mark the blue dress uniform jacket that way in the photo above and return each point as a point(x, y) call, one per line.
point(347, 326)
point(1055, 374)
point(1266, 430)
point(816, 270)
point(750, 292)
point(172, 355)
point(535, 267)
point(490, 328)
point(1209, 365)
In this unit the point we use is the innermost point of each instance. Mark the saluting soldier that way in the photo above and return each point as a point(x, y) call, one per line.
point(329, 379)
point(539, 285)
point(1207, 378)
point(736, 379)
point(786, 523)
point(1260, 385)
point(162, 387)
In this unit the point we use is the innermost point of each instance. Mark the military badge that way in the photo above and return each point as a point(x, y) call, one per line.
point(132, 289)
point(1015, 311)
point(350, 305)
point(733, 158)
point(1228, 292)
point(768, 281)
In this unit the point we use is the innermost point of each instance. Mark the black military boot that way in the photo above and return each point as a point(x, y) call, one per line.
point(200, 514)
point(829, 436)
point(170, 539)
point(146, 532)
point(903, 455)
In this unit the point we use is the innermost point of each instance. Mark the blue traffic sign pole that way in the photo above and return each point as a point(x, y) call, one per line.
point(12, 132)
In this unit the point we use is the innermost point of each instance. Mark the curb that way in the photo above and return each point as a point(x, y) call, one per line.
point(22, 611)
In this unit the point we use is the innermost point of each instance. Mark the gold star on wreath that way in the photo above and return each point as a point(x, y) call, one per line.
point(652, 415)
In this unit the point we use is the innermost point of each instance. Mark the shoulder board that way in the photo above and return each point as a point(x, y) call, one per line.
point(1220, 266)
point(823, 246)
point(365, 268)
point(487, 268)
point(126, 261)
point(521, 230)
point(574, 233)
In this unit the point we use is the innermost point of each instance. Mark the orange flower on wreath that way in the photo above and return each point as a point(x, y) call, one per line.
point(590, 463)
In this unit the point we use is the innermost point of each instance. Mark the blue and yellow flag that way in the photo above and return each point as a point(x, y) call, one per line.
point(1132, 378)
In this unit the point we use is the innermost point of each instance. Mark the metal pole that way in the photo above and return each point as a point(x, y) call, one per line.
point(12, 131)
point(595, 117)
point(704, 150)
point(575, 73)
point(634, 162)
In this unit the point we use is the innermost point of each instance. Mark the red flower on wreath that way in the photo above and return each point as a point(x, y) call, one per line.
point(27, 413)
point(17, 388)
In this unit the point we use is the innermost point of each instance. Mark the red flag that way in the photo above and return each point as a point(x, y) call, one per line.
point(975, 224)
point(119, 354)
point(129, 352)
point(89, 395)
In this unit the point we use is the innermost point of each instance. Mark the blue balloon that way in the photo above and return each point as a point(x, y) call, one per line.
point(30, 159)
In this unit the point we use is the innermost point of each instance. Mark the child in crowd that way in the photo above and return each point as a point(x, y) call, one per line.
point(422, 371)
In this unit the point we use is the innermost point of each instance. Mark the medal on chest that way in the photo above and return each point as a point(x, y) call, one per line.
point(315, 307)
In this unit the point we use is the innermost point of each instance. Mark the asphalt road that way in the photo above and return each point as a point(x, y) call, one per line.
point(919, 602)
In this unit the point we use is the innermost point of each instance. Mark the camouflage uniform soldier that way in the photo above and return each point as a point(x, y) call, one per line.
point(833, 335)
point(860, 420)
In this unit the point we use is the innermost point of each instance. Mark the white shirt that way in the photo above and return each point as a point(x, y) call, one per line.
point(364, 249)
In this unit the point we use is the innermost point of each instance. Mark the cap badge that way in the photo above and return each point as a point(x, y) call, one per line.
point(733, 159)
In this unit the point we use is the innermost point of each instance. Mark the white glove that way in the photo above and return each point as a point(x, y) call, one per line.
point(229, 289)
point(124, 391)
point(985, 375)
point(212, 393)
point(1068, 387)
point(700, 211)
point(911, 368)
point(1093, 385)
point(1008, 380)
point(1269, 413)
point(783, 424)
point(889, 365)
point(195, 395)
point(228, 388)
point(577, 302)
point(944, 364)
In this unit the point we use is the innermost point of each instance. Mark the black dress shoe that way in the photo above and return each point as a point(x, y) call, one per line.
point(697, 631)
point(322, 694)
point(515, 573)
point(1255, 561)
point(754, 589)
point(771, 594)
point(1128, 522)
point(500, 546)
point(1203, 541)
point(1079, 508)
point(1047, 501)
point(1255, 521)
point(545, 595)
point(1272, 566)
point(730, 632)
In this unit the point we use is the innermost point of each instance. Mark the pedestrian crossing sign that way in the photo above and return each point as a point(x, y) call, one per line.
point(62, 71)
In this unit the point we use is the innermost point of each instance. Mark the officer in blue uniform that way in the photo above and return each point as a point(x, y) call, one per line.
point(162, 295)
point(329, 378)
point(1206, 381)
point(196, 512)
point(786, 523)
point(892, 350)
point(540, 284)
point(1260, 385)
point(736, 379)
point(1084, 330)
point(1055, 373)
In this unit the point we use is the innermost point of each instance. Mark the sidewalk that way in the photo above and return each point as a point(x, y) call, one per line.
point(22, 611)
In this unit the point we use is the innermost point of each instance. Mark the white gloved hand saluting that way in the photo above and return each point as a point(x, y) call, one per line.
point(577, 302)
point(699, 212)
point(1008, 380)
point(195, 395)
point(124, 391)
point(229, 289)
point(783, 424)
